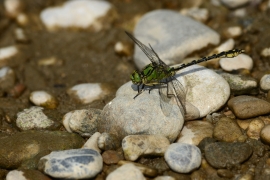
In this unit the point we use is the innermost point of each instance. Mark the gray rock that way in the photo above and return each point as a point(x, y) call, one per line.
point(265, 82)
point(7, 78)
point(172, 35)
point(135, 146)
point(33, 118)
point(225, 155)
point(107, 141)
point(240, 84)
point(245, 107)
point(182, 157)
point(127, 170)
point(25, 148)
point(72, 164)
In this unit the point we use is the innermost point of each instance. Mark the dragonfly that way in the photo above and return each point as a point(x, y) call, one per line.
point(157, 73)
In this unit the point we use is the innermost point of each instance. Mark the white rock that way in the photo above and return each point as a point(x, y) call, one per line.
point(82, 121)
point(164, 178)
point(241, 12)
point(183, 158)
point(33, 118)
point(227, 45)
point(135, 146)
point(122, 49)
point(73, 13)
point(199, 14)
point(172, 41)
point(234, 31)
point(266, 51)
point(44, 99)
point(72, 163)
point(254, 128)
point(88, 92)
point(14, 7)
point(8, 52)
point(241, 61)
point(15, 175)
point(127, 170)
point(233, 3)
point(92, 142)
point(265, 82)
point(195, 131)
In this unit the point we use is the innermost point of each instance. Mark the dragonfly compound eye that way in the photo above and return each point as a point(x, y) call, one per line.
point(135, 78)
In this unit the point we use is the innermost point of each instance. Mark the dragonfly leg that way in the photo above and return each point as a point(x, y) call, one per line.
point(151, 88)
point(139, 91)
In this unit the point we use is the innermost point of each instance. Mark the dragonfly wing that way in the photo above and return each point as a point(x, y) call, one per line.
point(150, 53)
point(165, 101)
point(180, 94)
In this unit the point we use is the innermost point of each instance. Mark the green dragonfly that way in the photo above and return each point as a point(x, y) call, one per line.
point(157, 73)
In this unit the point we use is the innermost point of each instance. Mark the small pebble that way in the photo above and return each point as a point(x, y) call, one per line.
point(265, 134)
point(14, 7)
point(111, 157)
point(234, 4)
point(50, 61)
point(265, 82)
point(135, 146)
point(194, 131)
point(78, 14)
point(254, 128)
point(199, 14)
point(183, 158)
point(242, 61)
point(225, 155)
point(107, 141)
point(245, 107)
point(225, 173)
point(164, 178)
point(88, 92)
point(8, 52)
point(26, 174)
point(225, 46)
point(7, 78)
point(127, 170)
point(227, 130)
point(122, 49)
point(266, 51)
point(20, 36)
point(33, 118)
point(92, 142)
point(234, 31)
point(82, 121)
point(72, 164)
point(43, 99)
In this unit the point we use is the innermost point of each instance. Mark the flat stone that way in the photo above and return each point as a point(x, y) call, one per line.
point(245, 107)
point(242, 61)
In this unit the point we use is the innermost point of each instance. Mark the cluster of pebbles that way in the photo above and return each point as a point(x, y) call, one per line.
point(227, 137)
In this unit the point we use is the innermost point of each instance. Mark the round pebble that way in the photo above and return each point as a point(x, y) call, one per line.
point(111, 157)
point(234, 31)
point(92, 142)
point(7, 78)
point(194, 131)
point(265, 134)
point(88, 92)
point(225, 46)
point(33, 118)
point(14, 7)
point(265, 82)
point(171, 41)
point(245, 107)
point(183, 158)
point(199, 14)
point(8, 52)
point(242, 61)
point(43, 99)
point(254, 128)
point(135, 146)
point(266, 51)
point(234, 4)
point(26, 174)
point(77, 14)
point(108, 141)
point(72, 164)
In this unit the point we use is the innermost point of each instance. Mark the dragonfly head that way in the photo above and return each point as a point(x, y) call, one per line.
point(136, 78)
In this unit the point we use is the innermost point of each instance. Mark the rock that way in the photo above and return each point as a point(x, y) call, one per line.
point(82, 121)
point(127, 170)
point(227, 130)
point(183, 158)
point(125, 116)
point(108, 141)
point(245, 107)
point(225, 46)
point(14, 7)
point(92, 142)
point(158, 163)
point(234, 4)
point(83, 14)
point(112, 157)
point(122, 49)
point(7, 78)
point(43, 99)
point(33, 118)
point(240, 84)
point(25, 148)
point(265, 52)
point(88, 92)
point(147, 171)
point(171, 41)
point(233, 31)
point(242, 61)
point(20, 36)
point(205, 142)
point(72, 164)
point(194, 131)
point(265, 134)
point(265, 82)
point(225, 155)
point(199, 14)
point(135, 146)
point(254, 129)
point(50, 61)
point(7, 52)
point(26, 174)
point(225, 173)
point(164, 178)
